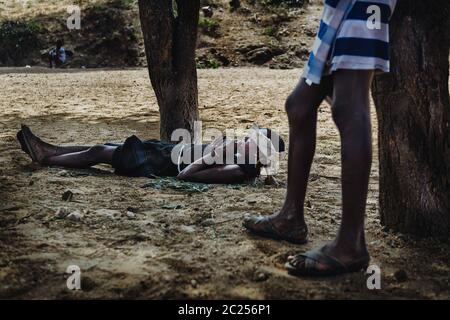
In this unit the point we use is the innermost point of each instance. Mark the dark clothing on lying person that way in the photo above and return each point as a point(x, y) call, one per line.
point(136, 158)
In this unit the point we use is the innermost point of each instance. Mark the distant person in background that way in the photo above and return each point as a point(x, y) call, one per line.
point(57, 56)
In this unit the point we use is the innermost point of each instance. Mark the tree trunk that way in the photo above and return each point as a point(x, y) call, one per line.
point(413, 113)
point(170, 36)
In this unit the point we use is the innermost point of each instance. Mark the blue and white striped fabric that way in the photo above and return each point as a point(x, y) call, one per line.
point(347, 40)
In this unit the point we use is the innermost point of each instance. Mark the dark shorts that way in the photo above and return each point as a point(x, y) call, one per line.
point(136, 158)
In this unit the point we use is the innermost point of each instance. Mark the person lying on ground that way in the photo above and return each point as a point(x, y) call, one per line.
point(223, 161)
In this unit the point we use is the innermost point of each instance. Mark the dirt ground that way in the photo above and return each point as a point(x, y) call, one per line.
point(180, 244)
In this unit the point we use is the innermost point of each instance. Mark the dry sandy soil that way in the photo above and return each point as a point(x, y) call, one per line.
point(180, 244)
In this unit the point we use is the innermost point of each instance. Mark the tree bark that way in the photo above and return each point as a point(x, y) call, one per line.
point(413, 113)
point(170, 36)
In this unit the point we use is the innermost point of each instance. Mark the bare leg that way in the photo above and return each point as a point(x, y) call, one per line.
point(83, 159)
point(301, 107)
point(351, 113)
point(51, 149)
point(71, 156)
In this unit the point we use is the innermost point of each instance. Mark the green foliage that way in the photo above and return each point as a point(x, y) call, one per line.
point(174, 8)
point(172, 183)
point(18, 39)
point(209, 26)
point(270, 31)
point(122, 4)
point(210, 63)
point(291, 3)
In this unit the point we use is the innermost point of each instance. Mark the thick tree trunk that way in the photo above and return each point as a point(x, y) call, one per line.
point(413, 114)
point(170, 36)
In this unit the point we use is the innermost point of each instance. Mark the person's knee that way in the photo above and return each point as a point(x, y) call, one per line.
point(297, 111)
point(94, 151)
point(345, 114)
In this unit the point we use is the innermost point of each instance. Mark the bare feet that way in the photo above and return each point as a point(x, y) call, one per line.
point(38, 150)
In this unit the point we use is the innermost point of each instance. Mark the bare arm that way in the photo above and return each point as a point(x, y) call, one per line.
point(226, 174)
point(199, 171)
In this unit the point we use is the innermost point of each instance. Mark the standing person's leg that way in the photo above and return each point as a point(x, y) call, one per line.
point(351, 113)
point(301, 107)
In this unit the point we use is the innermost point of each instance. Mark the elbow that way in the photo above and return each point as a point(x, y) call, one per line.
point(182, 176)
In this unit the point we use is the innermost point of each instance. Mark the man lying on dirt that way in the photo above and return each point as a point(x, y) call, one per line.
point(223, 161)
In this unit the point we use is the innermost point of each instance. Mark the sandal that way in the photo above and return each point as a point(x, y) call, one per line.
point(263, 226)
point(312, 259)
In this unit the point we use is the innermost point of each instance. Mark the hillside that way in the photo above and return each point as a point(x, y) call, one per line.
point(257, 33)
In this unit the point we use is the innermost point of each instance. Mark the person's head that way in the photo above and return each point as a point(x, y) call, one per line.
point(59, 43)
point(263, 144)
point(277, 141)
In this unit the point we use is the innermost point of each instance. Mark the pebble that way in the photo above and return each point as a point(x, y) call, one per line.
point(75, 216)
point(194, 283)
point(261, 276)
point(61, 213)
point(131, 215)
point(132, 209)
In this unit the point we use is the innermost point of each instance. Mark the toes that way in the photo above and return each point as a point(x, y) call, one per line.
point(297, 261)
point(251, 222)
point(248, 222)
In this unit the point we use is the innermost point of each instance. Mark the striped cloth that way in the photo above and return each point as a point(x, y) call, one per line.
point(349, 39)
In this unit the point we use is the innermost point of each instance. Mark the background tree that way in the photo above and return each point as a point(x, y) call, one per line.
point(413, 113)
point(170, 36)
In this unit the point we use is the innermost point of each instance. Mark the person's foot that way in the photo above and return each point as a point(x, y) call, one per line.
point(37, 149)
point(22, 143)
point(282, 226)
point(332, 259)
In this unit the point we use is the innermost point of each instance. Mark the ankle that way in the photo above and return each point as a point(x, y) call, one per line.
point(292, 213)
point(350, 243)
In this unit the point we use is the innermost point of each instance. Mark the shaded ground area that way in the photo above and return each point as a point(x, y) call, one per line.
point(181, 243)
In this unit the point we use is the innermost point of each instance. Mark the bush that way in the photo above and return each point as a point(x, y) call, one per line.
point(209, 26)
point(210, 63)
point(270, 31)
point(122, 4)
point(291, 3)
point(19, 41)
